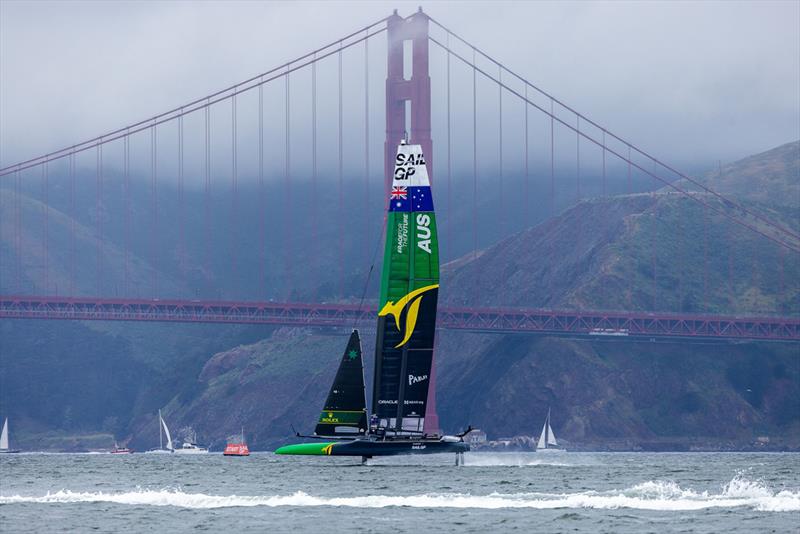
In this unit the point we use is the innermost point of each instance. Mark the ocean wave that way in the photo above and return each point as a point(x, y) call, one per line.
point(650, 495)
point(510, 459)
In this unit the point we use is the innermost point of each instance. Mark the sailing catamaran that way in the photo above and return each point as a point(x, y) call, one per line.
point(547, 439)
point(162, 429)
point(405, 339)
point(4, 448)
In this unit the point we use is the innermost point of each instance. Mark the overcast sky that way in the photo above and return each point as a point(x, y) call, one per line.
point(690, 81)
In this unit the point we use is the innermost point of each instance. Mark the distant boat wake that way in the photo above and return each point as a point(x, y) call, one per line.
point(651, 495)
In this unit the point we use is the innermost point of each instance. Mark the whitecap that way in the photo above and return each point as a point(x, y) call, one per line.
point(649, 495)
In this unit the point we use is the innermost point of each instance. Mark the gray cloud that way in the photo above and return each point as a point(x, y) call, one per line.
point(691, 82)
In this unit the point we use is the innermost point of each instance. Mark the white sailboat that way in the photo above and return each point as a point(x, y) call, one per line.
point(547, 439)
point(4, 448)
point(162, 426)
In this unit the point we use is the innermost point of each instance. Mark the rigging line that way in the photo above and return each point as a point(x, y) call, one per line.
point(196, 104)
point(672, 185)
point(627, 143)
point(371, 268)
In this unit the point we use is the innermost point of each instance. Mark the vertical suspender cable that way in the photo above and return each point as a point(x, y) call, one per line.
point(500, 146)
point(288, 206)
point(207, 196)
point(46, 210)
point(474, 159)
point(630, 188)
point(154, 186)
point(182, 255)
point(262, 230)
point(72, 218)
point(340, 146)
point(18, 228)
point(578, 159)
point(527, 168)
point(448, 224)
point(126, 163)
point(552, 161)
point(367, 224)
point(314, 234)
point(653, 242)
point(234, 204)
point(604, 164)
point(705, 258)
point(99, 217)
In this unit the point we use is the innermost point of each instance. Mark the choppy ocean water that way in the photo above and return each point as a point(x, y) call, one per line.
point(570, 492)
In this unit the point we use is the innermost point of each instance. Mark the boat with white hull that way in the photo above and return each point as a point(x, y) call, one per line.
point(4, 448)
point(547, 440)
point(162, 430)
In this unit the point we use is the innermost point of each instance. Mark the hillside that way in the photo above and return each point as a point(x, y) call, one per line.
point(600, 253)
point(648, 251)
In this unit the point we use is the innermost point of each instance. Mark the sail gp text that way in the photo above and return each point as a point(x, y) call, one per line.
point(404, 166)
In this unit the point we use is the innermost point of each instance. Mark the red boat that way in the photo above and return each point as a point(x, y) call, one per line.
point(121, 450)
point(236, 446)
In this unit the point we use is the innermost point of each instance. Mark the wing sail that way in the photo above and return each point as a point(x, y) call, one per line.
point(408, 299)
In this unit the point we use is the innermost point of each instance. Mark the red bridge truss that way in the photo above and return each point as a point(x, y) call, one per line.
point(592, 324)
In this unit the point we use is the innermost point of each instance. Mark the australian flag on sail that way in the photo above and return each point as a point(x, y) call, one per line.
point(411, 199)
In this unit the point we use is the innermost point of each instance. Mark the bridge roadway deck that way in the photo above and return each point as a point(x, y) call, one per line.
point(596, 324)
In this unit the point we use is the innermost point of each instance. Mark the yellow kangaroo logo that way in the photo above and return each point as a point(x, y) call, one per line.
point(413, 310)
point(327, 449)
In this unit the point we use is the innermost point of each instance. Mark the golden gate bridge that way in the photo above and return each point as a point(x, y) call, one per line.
point(161, 142)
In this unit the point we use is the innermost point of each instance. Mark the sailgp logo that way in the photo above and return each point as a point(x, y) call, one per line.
point(416, 379)
point(414, 298)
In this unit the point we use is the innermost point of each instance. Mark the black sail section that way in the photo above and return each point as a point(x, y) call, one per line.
point(345, 412)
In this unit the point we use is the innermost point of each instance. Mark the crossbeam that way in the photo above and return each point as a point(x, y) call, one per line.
point(589, 324)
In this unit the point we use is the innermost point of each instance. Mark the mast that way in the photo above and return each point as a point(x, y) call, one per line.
point(160, 441)
point(547, 428)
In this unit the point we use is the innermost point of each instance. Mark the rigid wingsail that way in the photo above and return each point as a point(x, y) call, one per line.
point(405, 338)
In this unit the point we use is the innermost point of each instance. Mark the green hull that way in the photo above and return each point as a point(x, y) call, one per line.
point(307, 449)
